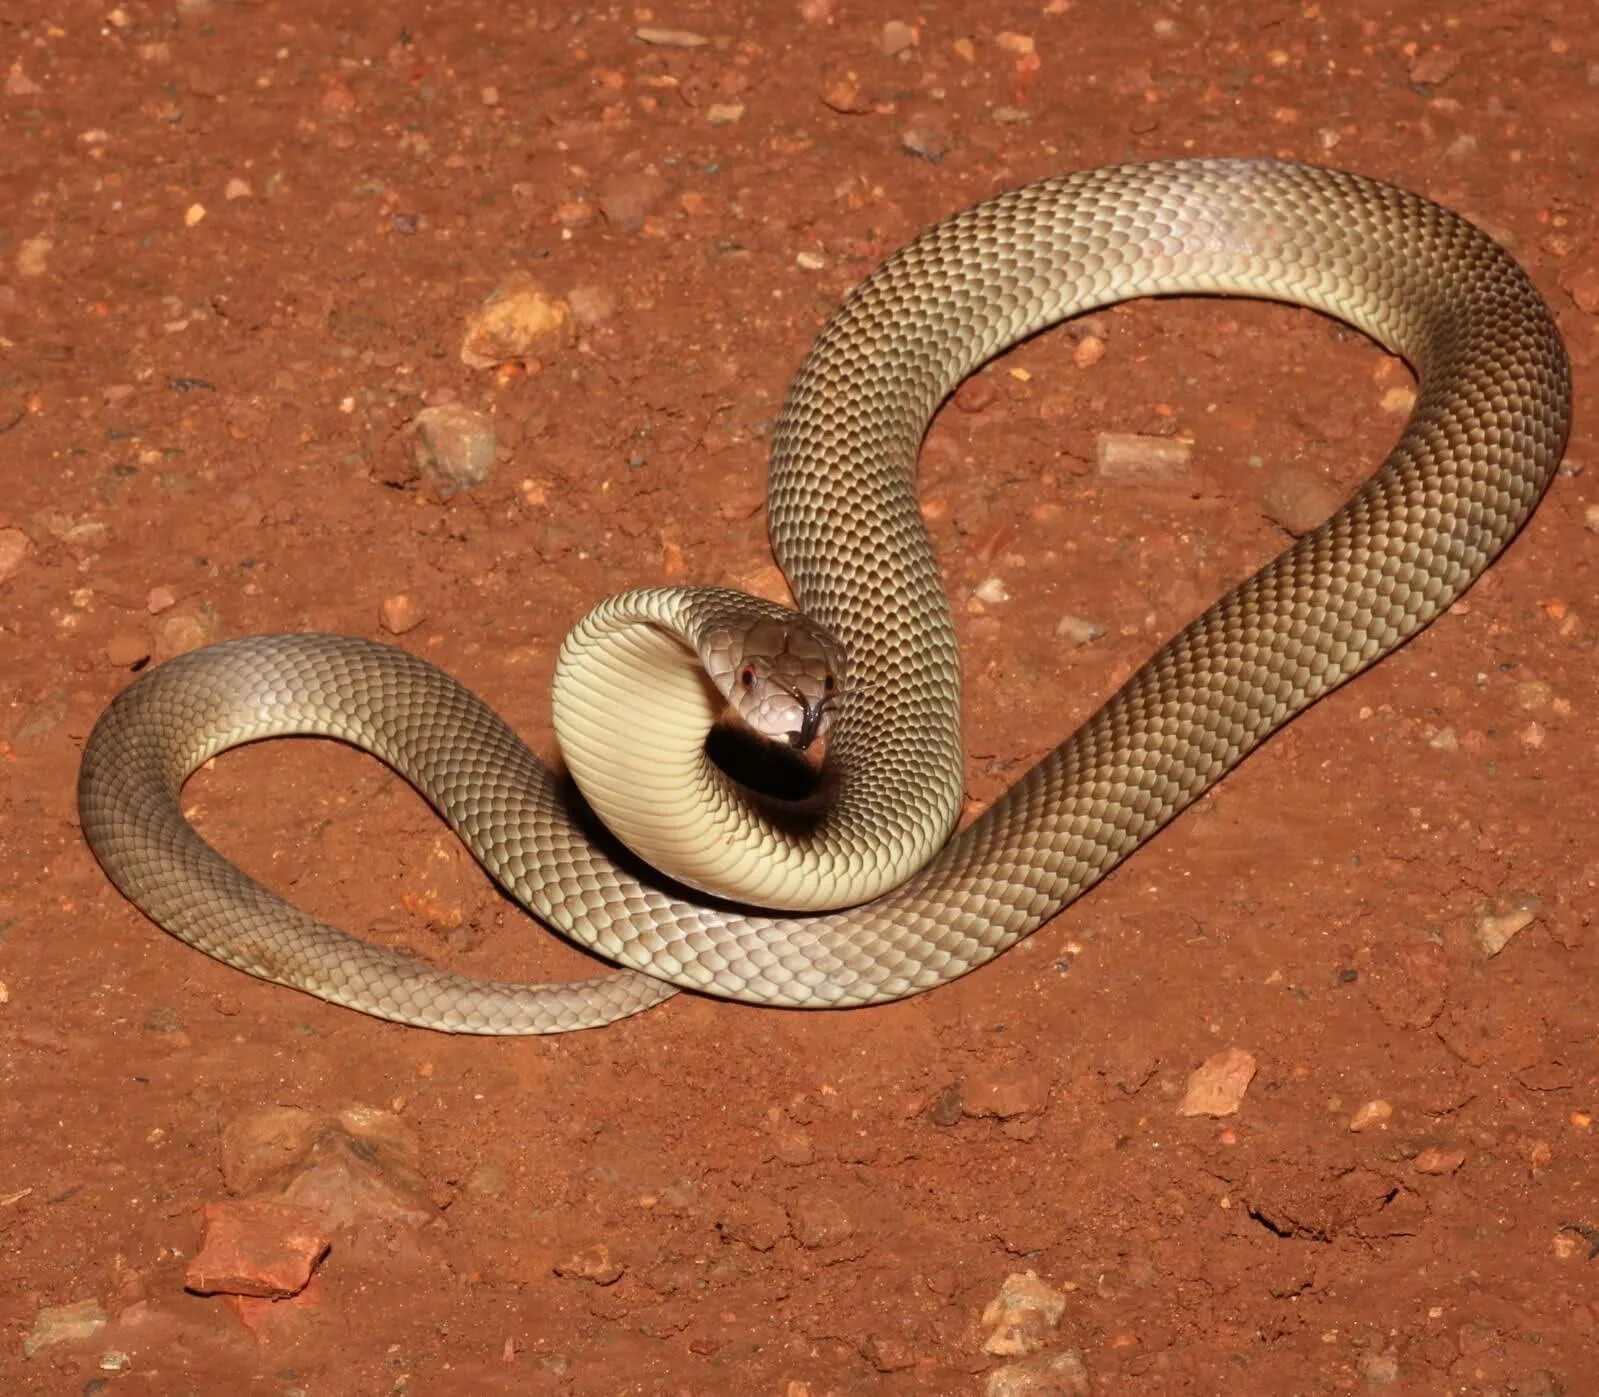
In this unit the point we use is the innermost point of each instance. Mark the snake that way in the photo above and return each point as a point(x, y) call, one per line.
point(889, 902)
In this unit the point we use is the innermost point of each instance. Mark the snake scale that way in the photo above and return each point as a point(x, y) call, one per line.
point(1482, 444)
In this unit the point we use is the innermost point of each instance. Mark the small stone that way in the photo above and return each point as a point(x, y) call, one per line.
point(1002, 1093)
point(160, 599)
point(888, 1353)
point(757, 1222)
point(670, 38)
point(236, 189)
point(1022, 1316)
point(594, 1263)
point(792, 1146)
point(1581, 283)
point(14, 549)
point(455, 443)
point(1499, 921)
point(256, 1247)
point(401, 612)
point(628, 199)
point(992, 591)
point(820, 1222)
point(1398, 400)
point(126, 649)
point(810, 261)
point(945, 1109)
point(927, 137)
point(724, 114)
point(1379, 1369)
point(845, 97)
point(1533, 694)
point(517, 320)
point(977, 394)
point(19, 84)
point(186, 626)
point(896, 37)
point(1019, 44)
point(1217, 1086)
point(33, 257)
point(1078, 631)
point(1088, 351)
point(64, 1324)
point(1438, 1161)
point(1371, 1113)
point(361, 1164)
point(1047, 1375)
point(1433, 67)
point(1298, 499)
point(591, 305)
point(1129, 456)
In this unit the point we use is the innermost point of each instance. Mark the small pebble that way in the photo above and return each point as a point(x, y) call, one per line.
point(896, 37)
point(629, 198)
point(1005, 1092)
point(1398, 400)
point(925, 137)
point(594, 1264)
point(1379, 1369)
point(724, 113)
point(257, 1247)
point(992, 590)
point(1078, 630)
point(127, 648)
point(516, 321)
point(1046, 1375)
point(889, 1353)
point(1533, 694)
point(1499, 921)
point(845, 97)
point(236, 189)
point(456, 443)
point(400, 613)
point(1299, 499)
point(1433, 67)
point(1023, 1316)
point(1372, 1113)
point(670, 38)
point(1437, 1161)
point(1129, 456)
point(185, 628)
point(820, 1222)
point(14, 549)
point(1217, 1086)
point(1590, 518)
point(33, 257)
point(1088, 351)
point(64, 1324)
point(591, 305)
point(160, 599)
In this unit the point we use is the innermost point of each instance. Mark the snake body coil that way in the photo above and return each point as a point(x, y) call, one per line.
point(1483, 443)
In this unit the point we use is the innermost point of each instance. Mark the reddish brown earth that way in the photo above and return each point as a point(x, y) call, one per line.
point(205, 403)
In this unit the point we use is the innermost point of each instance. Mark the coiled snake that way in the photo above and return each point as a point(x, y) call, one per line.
point(1482, 444)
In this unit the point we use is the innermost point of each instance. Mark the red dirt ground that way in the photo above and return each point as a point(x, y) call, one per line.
point(209, 395)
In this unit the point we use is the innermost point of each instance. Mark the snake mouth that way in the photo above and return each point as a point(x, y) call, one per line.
point(812, 715)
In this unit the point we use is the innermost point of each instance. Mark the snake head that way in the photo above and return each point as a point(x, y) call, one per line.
point(779, 677)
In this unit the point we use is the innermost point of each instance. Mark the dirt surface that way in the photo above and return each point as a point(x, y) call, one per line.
point(241, 245)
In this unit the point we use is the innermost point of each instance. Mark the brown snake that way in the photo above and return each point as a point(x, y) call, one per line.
point(1484, 441)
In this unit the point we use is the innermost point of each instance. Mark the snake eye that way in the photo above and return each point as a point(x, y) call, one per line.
point(746, 676)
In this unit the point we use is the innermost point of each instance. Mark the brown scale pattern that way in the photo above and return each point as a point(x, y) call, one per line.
point(1485, 439)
